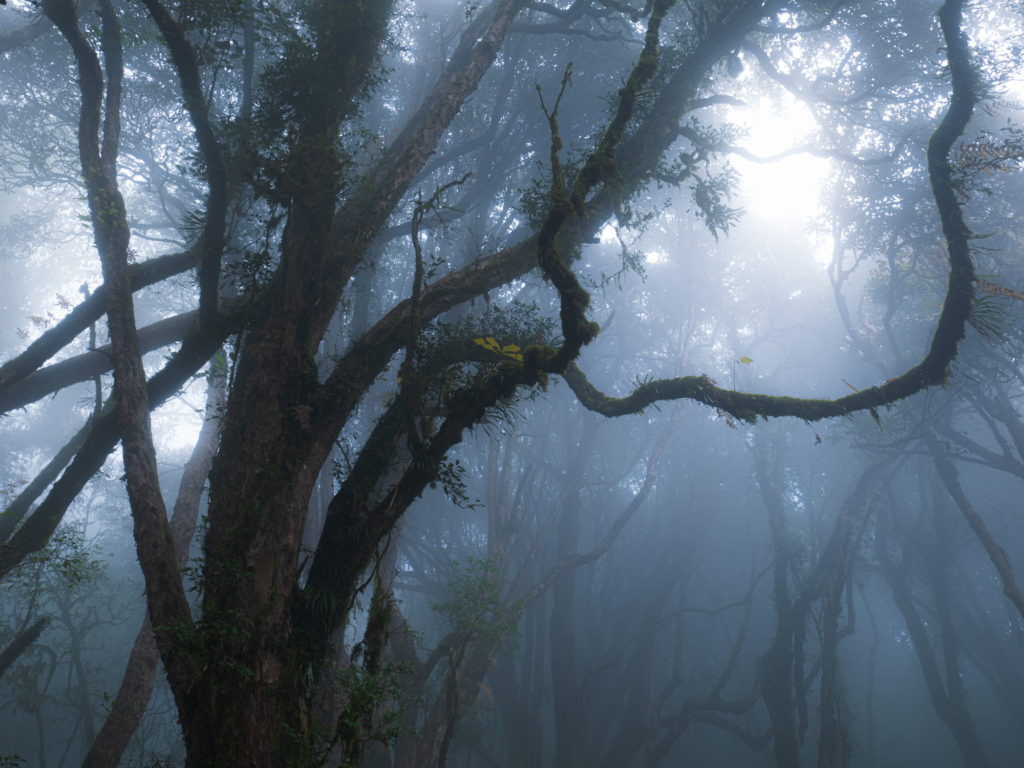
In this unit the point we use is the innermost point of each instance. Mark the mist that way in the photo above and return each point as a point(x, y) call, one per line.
point(420, 383)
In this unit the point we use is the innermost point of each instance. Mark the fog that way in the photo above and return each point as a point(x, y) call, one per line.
point(511, 385)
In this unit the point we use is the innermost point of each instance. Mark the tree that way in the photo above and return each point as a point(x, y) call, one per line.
point(288, 202)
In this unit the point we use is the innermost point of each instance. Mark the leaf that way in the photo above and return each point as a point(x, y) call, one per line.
point(510, 348)
point(746, 360)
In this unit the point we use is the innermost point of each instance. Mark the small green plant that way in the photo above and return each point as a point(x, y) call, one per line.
point(473, 609)
point(375, 705)
point(451, 475)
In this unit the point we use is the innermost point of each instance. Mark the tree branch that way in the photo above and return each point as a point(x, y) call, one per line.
point(53, 378)
point(88, 312)
point(211, 246)
point(950, 478)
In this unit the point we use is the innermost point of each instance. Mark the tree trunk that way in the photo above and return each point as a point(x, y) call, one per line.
point(570, 730)
point(137, 684)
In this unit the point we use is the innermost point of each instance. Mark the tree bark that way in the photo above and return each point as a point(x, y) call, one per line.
point(137, 684)
point(165, 595)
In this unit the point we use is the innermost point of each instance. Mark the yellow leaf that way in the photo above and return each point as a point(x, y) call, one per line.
point(746, 360)
point(510, 348)
point(493, 344)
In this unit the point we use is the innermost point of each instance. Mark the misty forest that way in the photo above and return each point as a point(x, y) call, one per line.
point(511, 383)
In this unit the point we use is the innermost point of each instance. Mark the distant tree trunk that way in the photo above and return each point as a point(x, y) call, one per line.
point(80, 691)
point(514, 715)
point(570, 735)
point(632, 731)
point(536, 742)
point(777, 662)
point(570, 729)
point(952, 709)
point(869, 695)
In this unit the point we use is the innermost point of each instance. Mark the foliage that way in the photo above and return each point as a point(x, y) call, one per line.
point(451, 475)
point(378, 698)
point(473, 609)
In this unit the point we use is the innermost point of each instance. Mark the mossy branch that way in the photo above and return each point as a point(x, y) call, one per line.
point(933, 370)
point(577, 330)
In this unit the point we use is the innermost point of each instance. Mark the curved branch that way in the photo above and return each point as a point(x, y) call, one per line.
point(813, 151)
point(950, 331)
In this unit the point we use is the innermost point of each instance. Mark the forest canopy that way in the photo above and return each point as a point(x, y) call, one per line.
point(585, 383)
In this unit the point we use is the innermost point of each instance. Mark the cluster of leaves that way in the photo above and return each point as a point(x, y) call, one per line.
point(509, 350)
point(518, 324)
point(989, 315)
point(68, 556)
point(710, 198)
point(455, 355)
point(535, 200)
point(379, 698)
point(473, 609)
point(451, 475)
point(985, 155)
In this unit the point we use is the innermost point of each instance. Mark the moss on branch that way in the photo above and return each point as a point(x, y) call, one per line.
point(950, 331)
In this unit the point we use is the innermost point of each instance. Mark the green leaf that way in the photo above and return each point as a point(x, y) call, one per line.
point(746, 360)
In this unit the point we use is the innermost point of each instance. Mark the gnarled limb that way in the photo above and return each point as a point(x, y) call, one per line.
point(933, 370)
